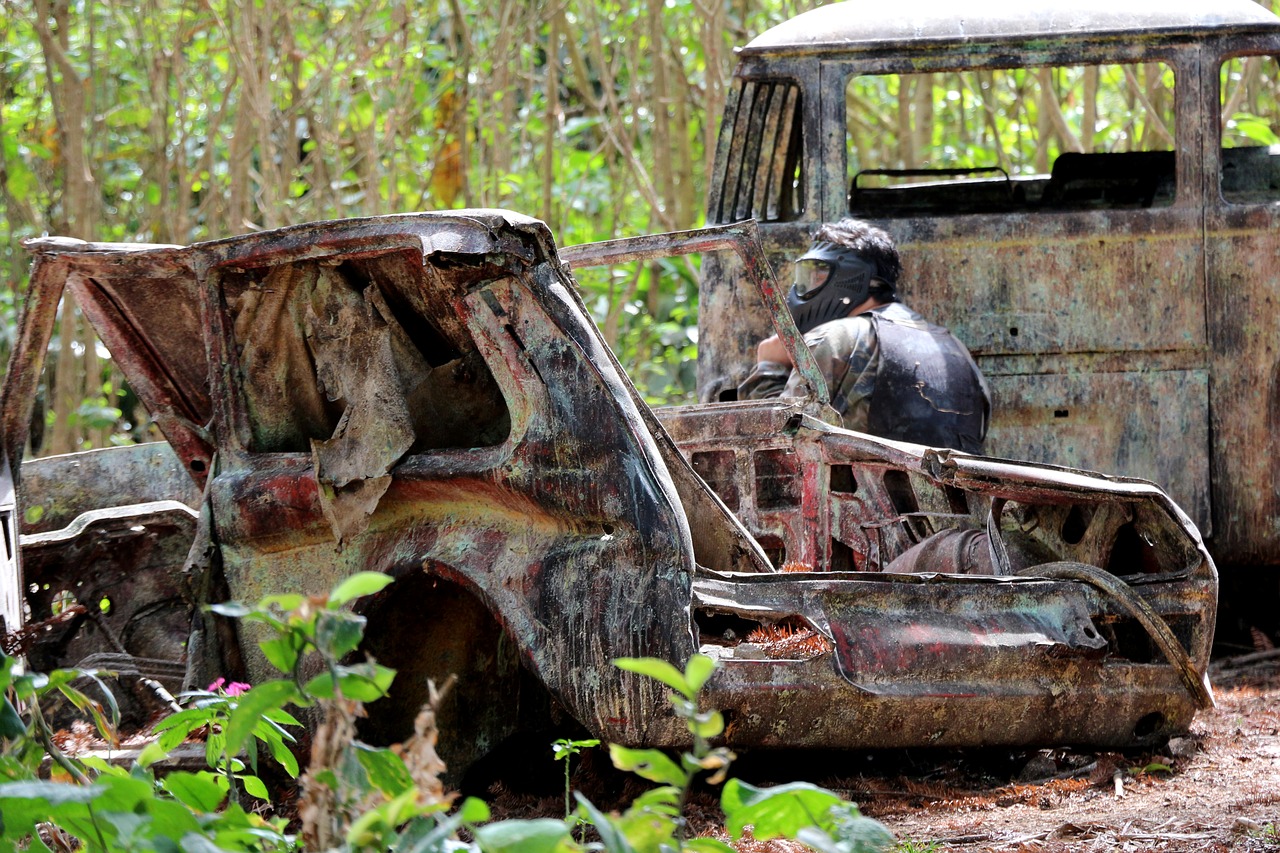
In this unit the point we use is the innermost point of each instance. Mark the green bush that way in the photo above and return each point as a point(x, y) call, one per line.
point(356, 796)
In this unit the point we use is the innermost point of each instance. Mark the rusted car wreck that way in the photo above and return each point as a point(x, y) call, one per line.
point(425, 395)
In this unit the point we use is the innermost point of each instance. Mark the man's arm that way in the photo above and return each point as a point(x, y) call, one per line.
point(847, 353)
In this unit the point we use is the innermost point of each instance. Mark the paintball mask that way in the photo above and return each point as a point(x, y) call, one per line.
point(830, 281)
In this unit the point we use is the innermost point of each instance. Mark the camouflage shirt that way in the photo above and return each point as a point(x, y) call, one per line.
point(847, 352)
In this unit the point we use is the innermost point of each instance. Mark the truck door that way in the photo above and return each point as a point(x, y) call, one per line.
point(1242, 248)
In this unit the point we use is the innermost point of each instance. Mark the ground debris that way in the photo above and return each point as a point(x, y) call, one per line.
point(1215, 789)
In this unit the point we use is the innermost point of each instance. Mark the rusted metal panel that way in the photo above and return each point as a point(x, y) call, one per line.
point(122, 566)
point(951, 674)
point(60, 488)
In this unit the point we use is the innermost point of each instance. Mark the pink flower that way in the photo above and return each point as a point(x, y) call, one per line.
point(235, 688)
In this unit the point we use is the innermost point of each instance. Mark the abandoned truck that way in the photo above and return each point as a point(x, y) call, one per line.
point(425, 395)
point(1087, 193)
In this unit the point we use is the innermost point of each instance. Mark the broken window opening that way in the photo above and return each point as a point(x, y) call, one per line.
point(774, 548)
point(359, 353)
point(777, 479)
point(843, 480)
point(719, 469)
point(1097, 137)
point(776, 637)
point(1249, 99)
point(761, 154)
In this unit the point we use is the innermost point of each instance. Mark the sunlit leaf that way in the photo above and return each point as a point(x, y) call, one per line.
point(651, 764)
point(358, 585)
point(659, 670)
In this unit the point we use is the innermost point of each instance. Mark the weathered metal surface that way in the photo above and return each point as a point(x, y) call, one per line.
point(123, 565)
point(57, 489)
point(549, 522)
point(1135, 339)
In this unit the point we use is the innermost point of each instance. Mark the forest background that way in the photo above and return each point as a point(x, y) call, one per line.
point(175, 121)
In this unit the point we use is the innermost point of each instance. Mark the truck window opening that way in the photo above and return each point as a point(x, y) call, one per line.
point(1095, 137)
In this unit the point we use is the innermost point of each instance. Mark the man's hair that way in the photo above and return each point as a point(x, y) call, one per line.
point(871, 244)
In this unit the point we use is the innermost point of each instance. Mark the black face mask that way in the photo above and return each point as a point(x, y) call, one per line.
point(831, 281)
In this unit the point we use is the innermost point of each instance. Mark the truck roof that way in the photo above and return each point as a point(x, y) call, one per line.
point(855, 25)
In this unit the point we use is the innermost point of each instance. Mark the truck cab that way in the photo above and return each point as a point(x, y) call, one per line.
point(1085, 193)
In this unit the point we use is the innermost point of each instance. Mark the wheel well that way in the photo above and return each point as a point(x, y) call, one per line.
point(428, 629)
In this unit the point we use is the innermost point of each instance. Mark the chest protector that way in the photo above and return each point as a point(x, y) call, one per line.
point(928, 389)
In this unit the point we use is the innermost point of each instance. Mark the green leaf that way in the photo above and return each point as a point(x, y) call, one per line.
point(338, 632)
point(543, 835)
point(611, 835)
point(254, 787)
point(707, 725)
point(651, 764)
point(359, 584)
point(707, 845)
point(285, 601)
point(113, 794)
point(11, 725)
point(195, 843)
point(664, 799)
point(281, 652)
point(658, 670)
point(279, 715)
point(185, 720)
point(772, 812)
point(852, 833)
point(564, 748)
point(697, 671)
point(52, 793)
point(283, 755)
point(153, 752)
point(429, 834)
point(362, 682)
point(474, 810)
point(200, 791)
point(251, 706)
point(386, 770)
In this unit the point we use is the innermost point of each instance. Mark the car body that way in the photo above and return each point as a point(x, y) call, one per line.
point(425, 395)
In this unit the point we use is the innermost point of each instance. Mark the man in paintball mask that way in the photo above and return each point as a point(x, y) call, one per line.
point(890, 372)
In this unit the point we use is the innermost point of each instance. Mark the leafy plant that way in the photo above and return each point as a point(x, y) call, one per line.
point(801, 811)
point(356, 796)
point(563, 750)
point(212, 712)
point(106, 807)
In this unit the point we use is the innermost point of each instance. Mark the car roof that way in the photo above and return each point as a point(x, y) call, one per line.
point(856, 25)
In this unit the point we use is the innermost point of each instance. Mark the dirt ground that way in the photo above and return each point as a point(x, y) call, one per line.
point(1221, 791)
point(1216, 790)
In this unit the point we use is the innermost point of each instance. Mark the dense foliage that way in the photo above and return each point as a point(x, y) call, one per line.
point(173, 121)
point(355, 796)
